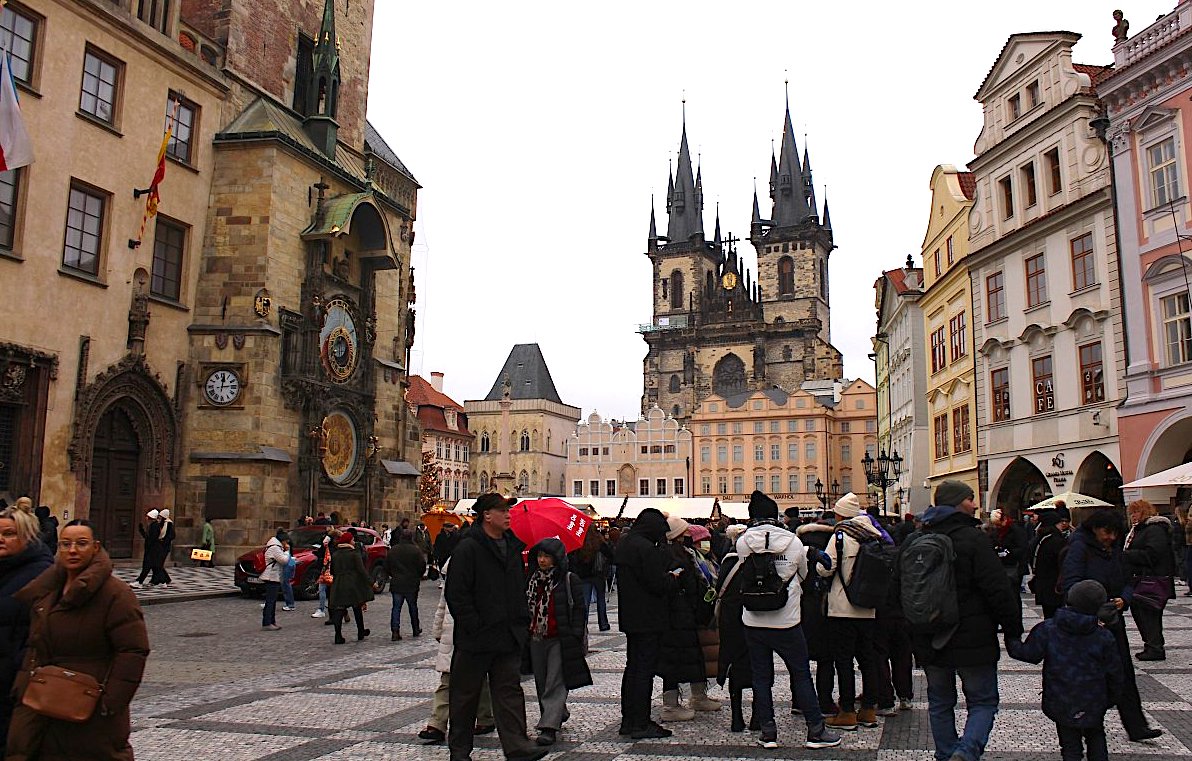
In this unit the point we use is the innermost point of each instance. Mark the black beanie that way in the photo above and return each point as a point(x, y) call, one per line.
point(762, 508)
point(1087, 597)
point(952, 493)
point(492, 501)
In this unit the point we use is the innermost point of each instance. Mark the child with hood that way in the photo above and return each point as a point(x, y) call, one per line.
point(1082, 672)
point(555, 599)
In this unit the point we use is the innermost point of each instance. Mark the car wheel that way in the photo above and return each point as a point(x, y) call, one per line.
point(379, 578)
point(308, 589)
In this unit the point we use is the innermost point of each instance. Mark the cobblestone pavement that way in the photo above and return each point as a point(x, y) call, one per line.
point(218, 687)
point(186, 583)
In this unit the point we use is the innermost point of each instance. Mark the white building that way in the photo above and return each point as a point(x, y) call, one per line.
point(650, 457)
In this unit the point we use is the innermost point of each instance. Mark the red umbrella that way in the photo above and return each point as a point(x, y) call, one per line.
point(533, 520)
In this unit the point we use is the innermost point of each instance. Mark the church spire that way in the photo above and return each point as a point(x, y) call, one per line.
point(808, 184)
point(699, 197)
point(684, 213)
point(773, 173)
point(827, 224)
point(790, 202)
point(653, 225)
point(322, 96)
point(716, 235)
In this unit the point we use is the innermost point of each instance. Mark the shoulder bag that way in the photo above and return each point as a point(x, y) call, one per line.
point(59, 693)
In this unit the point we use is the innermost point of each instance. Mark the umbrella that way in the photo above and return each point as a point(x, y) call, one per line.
point(1071, 499)
point(1180, 475)
point(533, 520)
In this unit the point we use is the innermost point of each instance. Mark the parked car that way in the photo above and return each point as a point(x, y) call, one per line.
point(304, 541)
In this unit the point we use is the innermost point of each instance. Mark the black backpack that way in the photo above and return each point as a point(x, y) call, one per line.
point(928, 582)
point(868, 584)
point(762, 589)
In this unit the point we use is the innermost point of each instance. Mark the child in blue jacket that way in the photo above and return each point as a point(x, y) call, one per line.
point(1082, 672)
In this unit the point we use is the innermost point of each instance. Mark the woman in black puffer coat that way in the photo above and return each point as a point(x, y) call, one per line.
point(22, 559)
point(681, 660)
point(1148, 553)
point(1052, 541)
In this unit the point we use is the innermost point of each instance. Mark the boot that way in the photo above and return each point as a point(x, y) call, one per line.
point(738, 724)
point(672, 711)
point(395, 636)
point(846, 720)
point(700, 700)
point(867, 717)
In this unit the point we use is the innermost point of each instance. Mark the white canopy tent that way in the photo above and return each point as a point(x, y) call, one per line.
point(1180, 475)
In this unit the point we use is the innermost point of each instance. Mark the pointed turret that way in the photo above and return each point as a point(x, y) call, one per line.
point(773, 173)
point(716, 235)
point(790, 202)
point(699, 197)
point(322, 96)
point(653, 239)
point(684, 212)
point(827, 223)
point(807, 182)
point(670, 186)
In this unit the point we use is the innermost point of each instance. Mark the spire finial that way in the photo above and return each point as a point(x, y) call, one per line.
point(684, 102)
point(786, 87)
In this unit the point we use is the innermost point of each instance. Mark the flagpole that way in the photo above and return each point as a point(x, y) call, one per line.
point(159, 173)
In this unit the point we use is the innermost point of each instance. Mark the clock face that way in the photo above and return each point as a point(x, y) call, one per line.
point(729, 281)
point(342, 460)
point(222, 387)
point(338, 344)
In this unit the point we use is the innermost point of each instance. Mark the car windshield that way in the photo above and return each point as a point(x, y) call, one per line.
point(307, 537)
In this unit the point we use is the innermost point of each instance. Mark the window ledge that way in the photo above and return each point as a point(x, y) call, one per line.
point(1086, 289)
point(171, 303)
point(27, 88)
point(1036, 307)
point(1165, 208)
point(6, 253)
point(82, 276)
point(998, 321)
point(99, 123)
point(183, 164)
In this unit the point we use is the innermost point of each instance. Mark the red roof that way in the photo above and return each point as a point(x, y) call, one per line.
point(968, 184)
point(421, 392)
point(433, 419)
point(431, 406)
point(1097, 74)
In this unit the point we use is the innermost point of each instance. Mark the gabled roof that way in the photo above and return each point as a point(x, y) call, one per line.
point(375, 143)
point(1096, 73)
point(528, 376)
point(433, 419)
point(421, 392)
point(968, 184)
point(264, 118)
point(998, 61)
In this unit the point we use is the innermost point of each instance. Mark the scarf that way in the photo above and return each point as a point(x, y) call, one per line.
point(165, 528)
point(538, 595)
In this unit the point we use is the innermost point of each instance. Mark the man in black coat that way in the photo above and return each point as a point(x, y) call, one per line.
point(643, 588)
point(405, 565)
point(985, 602)
point(486, 594)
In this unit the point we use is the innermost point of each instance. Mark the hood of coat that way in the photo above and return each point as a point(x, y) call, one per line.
point(1074, 621)
point(1158, 520)
point(551, 546)
point(84, 587)
point(34, 552)
point(651, 524)
point(813, 528)
point(937, 514)
point(767, 538)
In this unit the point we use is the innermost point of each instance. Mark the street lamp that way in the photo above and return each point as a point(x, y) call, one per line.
point(825, 497)
point(882, 472)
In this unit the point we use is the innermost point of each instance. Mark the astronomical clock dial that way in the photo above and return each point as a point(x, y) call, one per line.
point(729, 281)
point(338, 343)
point(222, 387)
point(341, 463)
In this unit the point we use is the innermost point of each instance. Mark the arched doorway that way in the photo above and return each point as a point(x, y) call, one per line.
point(728, 376)
point(1021, 485)
point(114, 482)
point(1099, 477)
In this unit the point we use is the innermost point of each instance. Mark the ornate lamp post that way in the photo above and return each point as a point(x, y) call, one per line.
point(831, 495)
point(882, 472)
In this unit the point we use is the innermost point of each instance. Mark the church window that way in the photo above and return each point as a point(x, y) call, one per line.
point(525, 441)
point(484, 442)
point(823, 279)
point(523, 481)
point(786, 276)
point(674, 384)
point(676, 289)
point(676, 411)
point(728, 376)
point(787, 354)
point(483, 481)
point(665, 289)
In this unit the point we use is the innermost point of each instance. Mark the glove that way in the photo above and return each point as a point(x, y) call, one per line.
point(822, 558)
point(1003, 553)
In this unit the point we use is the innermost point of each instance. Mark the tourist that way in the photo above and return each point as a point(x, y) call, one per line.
point(813, 615)
point(277, 555)
point(148, 529)
point(162, 549)
point(350, 587)
point(1149, 559)
point(733, 657)
point(47, 526)
point(590, 563)
point(405, 565)
point(207, 542)
point(1052, 541)
point(22, 558)
point(323, 558)
point(681, 657)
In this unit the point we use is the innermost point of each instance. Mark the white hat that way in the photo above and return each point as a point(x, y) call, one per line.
point(152, 514)
point(165, 513)
point(848, 506)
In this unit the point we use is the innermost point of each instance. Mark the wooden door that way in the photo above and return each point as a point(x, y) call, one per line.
point(114, 482)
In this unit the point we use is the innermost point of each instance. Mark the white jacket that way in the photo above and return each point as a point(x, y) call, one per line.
point(790, 560)
point(444, 630)
point(275, 558)
point(838, 603)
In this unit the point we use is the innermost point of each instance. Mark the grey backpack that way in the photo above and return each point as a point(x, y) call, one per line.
point(928, 588)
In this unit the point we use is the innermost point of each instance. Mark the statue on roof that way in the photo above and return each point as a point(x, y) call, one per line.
point(1121, 29)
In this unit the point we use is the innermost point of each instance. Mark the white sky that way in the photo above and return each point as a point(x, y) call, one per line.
point(539, 130)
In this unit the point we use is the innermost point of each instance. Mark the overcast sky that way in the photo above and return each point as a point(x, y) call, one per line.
point(539, 131)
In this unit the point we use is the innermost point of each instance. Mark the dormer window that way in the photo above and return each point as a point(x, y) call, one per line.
point(450, 415)
point(1013, 107)
point(1032, 94)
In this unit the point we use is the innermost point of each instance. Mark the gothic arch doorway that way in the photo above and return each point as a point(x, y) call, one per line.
point(114, 483)
point(1099, 477)
point(1021, 485)
point(728, 377)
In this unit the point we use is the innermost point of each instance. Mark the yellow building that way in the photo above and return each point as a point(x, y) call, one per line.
point(783, 444)
point(947, 308)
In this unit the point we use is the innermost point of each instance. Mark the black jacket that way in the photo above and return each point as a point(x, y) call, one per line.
point(643, 584)
point(486, 593)
point(681, 658)
point(591, 569)
point(445, 544)
point(405, 565)
point(1149, 551)
point(1046, 581)
point(569, 615)
point(900, 532)
point(1087, 559)
point(985, 600)
point(1014, 545)
point(15, 572)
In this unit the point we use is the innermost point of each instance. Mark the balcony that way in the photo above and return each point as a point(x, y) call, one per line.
point(673, 322)
point(1155, 36)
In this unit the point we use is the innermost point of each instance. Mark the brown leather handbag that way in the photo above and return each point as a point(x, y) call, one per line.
point(62, 694)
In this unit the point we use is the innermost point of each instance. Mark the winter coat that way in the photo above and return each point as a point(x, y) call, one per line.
point(643, 585)
point(95, 627)
point(681, 658)
point(1148, 548)
point(790, 561)
point(15, 572)
point(405, 565)
point(568, 612)
point(276, 559)
point(842, 570)
point(1087, 559)
point(486, 592)
point(732, 658)
point(208, 540)
point(47, 526)
point(443, 631)
point(900, 532)
point(1046, 581)
point(350, 585)
point(985, 601)
point(813, 603)
point(1082, 670)
point(1011, 547)
point(445, 544)
point(591, 569)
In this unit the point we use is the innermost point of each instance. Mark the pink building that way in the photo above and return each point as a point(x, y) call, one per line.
point(1150, 125)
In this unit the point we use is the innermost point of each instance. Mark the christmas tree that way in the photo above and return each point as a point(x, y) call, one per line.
point(428, 483)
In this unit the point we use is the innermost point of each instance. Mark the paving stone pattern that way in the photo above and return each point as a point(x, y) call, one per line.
point(218, 687)
point(187, 583)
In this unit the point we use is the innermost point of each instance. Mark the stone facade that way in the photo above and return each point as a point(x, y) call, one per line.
point(783, 444)
point(1042, 222)
point(1146, 98)
point(445, 435)
point(948, 357)
point(650, 457)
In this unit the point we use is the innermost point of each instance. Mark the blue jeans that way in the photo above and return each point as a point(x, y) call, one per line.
point(792, 649)
point(269, 614)
point(594, 588)
point(980, 694)
point(323, 597)
point(395, 615)
point(287, 585)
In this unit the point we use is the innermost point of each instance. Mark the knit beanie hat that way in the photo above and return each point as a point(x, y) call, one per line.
point(675, 527)
point(952, 493)
point(1087, 597)
point(848, 506)
point(762, 508)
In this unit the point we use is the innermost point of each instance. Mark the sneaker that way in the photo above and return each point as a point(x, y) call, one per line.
point(888, 711)
point(677, 713)
point(652, 731)
point(904, 704)
point(768, 741)
point(319, 614)
point(432, 734)
point(164, 586)
point(271, 628)
point(824, 738)
point(288, 607)
point(135, 584)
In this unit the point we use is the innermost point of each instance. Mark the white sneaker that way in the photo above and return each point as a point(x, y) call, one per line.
point(135, 584)
point(262, 606)
point(163, 586)
point(288, 607)
point(319, 614)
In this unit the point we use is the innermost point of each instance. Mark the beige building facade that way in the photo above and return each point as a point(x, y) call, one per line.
point(445, 435)
point(783, 444)
point(650, 457)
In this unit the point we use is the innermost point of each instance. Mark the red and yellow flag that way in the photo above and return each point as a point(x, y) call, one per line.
point(159, 174)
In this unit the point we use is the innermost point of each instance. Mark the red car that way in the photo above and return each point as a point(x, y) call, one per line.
point(303, 543)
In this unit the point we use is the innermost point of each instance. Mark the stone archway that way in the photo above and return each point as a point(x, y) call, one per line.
point(1098, 477)
point(1021, 485)
point(728, 376)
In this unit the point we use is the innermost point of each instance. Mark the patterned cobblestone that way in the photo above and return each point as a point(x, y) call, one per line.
point(218, 687)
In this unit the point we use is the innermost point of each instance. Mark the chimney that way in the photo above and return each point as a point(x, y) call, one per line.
point(436, 382)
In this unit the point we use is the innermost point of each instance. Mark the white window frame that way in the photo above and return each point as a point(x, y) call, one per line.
point(1164, 176)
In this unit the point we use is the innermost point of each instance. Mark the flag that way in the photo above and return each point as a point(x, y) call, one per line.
point(159, 174)
point(16, 149)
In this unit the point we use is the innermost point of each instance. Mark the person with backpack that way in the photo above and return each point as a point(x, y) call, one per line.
point(772, 567)
point(1082, 675)
point(955, 597)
